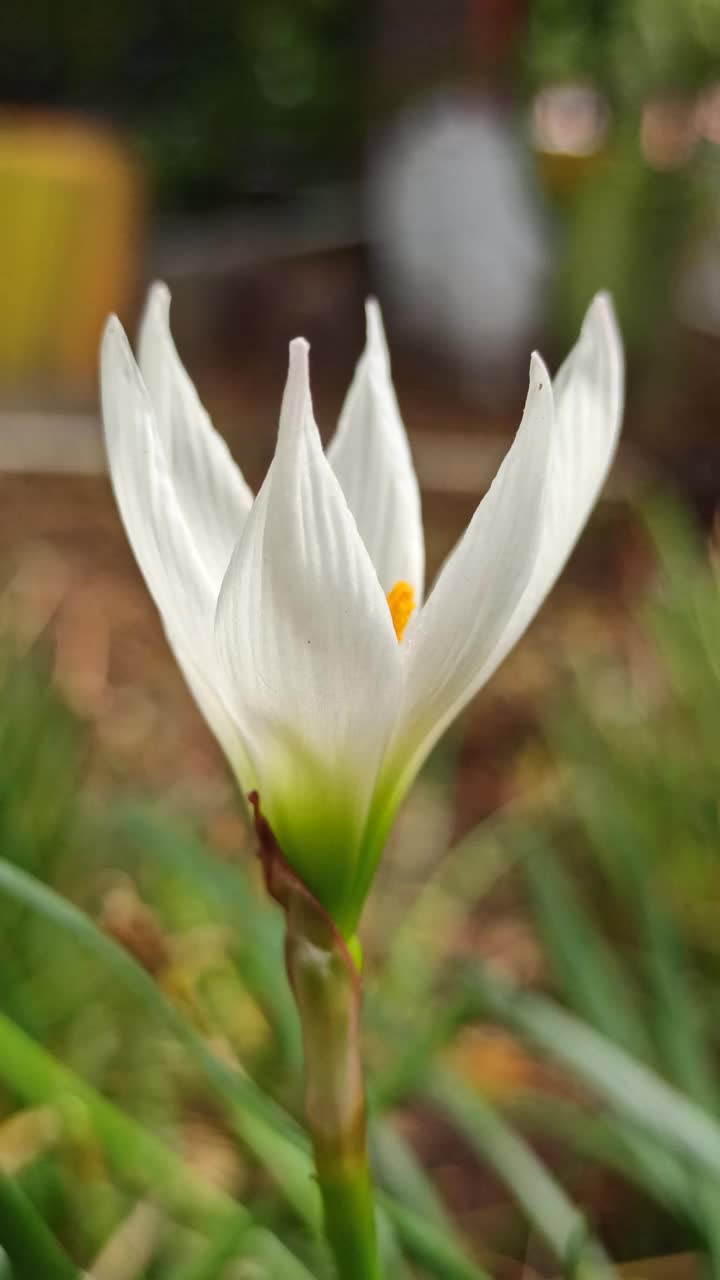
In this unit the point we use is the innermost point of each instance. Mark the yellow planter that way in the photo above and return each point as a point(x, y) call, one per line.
point(70, 233)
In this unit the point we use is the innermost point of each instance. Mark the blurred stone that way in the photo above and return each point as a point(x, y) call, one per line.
point(457, 236)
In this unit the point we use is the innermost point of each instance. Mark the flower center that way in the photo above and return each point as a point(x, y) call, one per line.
point(401, 602)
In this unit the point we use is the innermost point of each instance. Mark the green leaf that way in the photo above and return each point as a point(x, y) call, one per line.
point(263, 1126)
point(600, 1140)
point(139, 1159)
point(235, 1242)
point(436, 1251)
point(32, 1249)
point(552, 1214)
point(582, 963)
point(398, 1170)
point(629, 1087)
point(258, 932)
point(269, 1133)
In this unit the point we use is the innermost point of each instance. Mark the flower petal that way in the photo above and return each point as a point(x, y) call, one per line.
point(211, 490)
point(157, 530)
point(209, 699)
point(588, 391)
point(371, 458)
point(528, 542)
point(478, 589)
point(155, 525)
point(310, 655)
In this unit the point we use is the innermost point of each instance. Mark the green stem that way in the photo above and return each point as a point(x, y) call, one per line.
point(350, 1220)
point(30, 1246)
point(326, 987)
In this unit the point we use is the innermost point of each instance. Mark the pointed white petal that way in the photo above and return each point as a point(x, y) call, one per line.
point(370, 456)
point(588, 392)
point(212, 492)
point(311, 660)
point(155, 525)
point(588, 400)
point(210, 700)
point(478, 589)
point(157, 530)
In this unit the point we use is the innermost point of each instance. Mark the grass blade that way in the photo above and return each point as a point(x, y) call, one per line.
point(140, 1160)
point(269, 1133)
point(629, 1087)
point(259, 945)
point(436, 1251)
point(582, 963)
point(27, 1241)
point(399, 1171)
point(599, 1140)
point(233, 1242)
point(553, 1215)
point(262, 1125)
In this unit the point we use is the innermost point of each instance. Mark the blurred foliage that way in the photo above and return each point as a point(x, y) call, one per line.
point(632, 47)
point(623, 883)
point(647, 191)
point(150, 1072)
point(222, 99)
point(643, 748)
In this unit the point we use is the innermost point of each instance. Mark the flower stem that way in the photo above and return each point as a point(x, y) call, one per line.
point(326, 988)
point(350, 1223)
point(326, 985)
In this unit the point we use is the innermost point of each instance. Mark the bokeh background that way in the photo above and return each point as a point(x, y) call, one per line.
point(482, 167)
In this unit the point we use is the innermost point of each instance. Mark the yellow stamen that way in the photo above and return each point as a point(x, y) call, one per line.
point(401, 602)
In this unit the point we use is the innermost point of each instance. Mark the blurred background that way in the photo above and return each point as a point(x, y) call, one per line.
point(483, 167)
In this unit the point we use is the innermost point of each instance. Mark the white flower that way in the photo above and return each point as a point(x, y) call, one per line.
point(287, 613)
